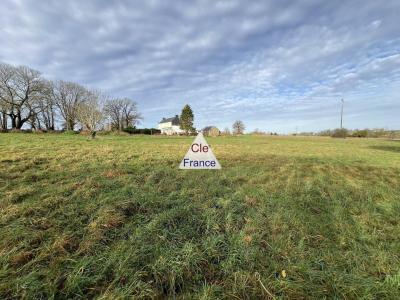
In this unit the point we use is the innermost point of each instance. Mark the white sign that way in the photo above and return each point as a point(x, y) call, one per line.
point(199, 156)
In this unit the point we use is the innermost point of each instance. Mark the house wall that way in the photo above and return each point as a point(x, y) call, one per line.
point(169, 129)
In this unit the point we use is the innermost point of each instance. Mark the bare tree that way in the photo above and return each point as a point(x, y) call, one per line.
point(238, 127)
point(48, 114)
point(67, 96)
point(113, 111)
point(47, 105)
point(226, 131)
point(130, 113)
point(20, 91)
point(89, 112)
point(27, 98)
point(6, 93)
point(122, 113)
point(45, 116)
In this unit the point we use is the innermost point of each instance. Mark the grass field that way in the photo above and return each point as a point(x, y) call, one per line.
point(285, 218)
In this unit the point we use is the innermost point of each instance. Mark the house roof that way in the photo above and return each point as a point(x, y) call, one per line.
point(173, 120)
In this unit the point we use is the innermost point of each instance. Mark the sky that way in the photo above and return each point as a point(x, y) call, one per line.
point(279, 66)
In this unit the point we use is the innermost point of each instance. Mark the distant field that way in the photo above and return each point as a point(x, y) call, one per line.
point(285, 218)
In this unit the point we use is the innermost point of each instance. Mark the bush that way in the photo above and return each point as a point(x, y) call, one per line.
point(360, 133)
point(133, 130)
point(340, 133)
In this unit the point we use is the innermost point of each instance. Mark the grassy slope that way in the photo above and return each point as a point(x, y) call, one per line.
point(115, 217)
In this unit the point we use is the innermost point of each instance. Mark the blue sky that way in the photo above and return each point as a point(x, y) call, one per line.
point(275, 65)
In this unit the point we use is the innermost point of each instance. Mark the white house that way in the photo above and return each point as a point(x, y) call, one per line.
point(170, 126)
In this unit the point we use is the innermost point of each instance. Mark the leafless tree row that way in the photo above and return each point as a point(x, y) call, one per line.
point(27, 99)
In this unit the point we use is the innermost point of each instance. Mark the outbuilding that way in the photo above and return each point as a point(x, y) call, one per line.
point(211, 131)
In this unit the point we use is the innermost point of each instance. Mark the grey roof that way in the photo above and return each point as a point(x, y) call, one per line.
point(174, 120)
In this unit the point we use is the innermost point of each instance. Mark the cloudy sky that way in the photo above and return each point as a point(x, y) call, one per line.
point(276, 65)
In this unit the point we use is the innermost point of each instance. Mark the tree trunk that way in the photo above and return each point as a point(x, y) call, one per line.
point(13, 122)
point(39, 125)
point(19, 124)
point(70, 124)
point(4, 121)
point(52, 120)
point(19, 121)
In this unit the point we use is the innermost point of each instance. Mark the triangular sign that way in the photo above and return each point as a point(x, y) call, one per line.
point(199, 156)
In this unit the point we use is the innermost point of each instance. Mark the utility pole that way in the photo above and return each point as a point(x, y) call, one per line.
point(341, 115)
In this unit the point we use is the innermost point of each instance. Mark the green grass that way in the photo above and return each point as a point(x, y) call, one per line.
point(115, 218)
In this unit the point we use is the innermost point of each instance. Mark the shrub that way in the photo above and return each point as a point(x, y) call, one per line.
point(340, 133)
point(133, 130)
point(360, 133)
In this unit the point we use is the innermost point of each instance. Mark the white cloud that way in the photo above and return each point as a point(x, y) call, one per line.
point(271, 63)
